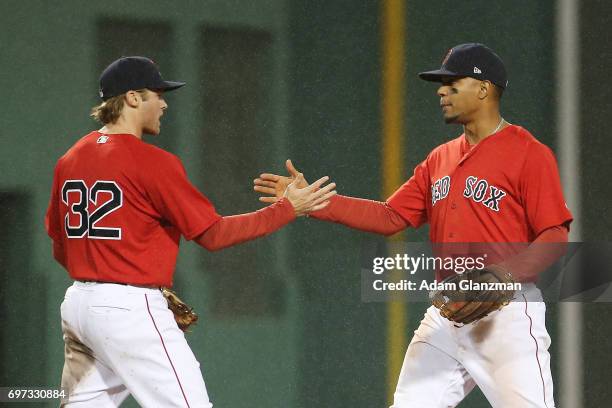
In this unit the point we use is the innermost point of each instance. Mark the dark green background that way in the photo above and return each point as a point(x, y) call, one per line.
point(282, 324)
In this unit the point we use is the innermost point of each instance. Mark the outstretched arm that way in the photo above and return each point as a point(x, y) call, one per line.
point(364, 215)
point(235, 229)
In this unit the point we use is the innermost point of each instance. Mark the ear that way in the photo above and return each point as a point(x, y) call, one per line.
point(132, 99)
point(485, 89)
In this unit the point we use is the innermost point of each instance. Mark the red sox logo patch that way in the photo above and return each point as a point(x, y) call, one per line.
point(481, 192)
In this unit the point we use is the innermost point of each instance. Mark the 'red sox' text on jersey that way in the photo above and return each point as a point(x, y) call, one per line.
point(504, 189)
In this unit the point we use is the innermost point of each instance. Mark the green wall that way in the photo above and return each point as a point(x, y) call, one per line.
point(595, 172)
point(335, 131)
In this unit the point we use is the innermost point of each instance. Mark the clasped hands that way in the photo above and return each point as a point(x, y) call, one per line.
point(304, 197)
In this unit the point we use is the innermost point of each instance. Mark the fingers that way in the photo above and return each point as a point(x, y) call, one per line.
point(322, 191)
point(268, 199)
point(320, 206)
point(291, 169)
point(316, 185)
point(324, 198)
point(269, 177)
point(265, 190)
point(264, 183)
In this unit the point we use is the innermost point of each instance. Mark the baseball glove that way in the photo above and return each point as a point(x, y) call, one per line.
point(183, 313)
point(471, 297)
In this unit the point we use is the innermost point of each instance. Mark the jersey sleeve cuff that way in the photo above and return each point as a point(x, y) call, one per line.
point(413, 220)
point(288, 212)
point(199, 231)
point(553, 223)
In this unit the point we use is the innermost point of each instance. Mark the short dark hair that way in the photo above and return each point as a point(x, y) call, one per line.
point(498, 91)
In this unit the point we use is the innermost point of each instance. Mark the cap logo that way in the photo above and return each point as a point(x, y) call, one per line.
point(448, 54)
point(477, 70)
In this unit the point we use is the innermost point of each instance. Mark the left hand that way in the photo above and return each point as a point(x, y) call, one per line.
point(275, 185)
point(468, 306)
point(313, 197)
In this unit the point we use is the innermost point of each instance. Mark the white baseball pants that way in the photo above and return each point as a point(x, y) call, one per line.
point(505, 354)
point(122, 340)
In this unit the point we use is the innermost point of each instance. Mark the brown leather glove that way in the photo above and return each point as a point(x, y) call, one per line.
point(469, 305)
point(183, 313)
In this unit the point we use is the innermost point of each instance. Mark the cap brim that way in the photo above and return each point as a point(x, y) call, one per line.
point(437, 75)
point(171, 85)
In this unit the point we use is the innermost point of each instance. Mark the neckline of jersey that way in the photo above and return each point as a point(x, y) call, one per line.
point(115, 134)
point(468, 149)
point(492, 135)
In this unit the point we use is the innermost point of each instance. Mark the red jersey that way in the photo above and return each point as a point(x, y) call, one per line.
point(119, 207)
point(504, 189)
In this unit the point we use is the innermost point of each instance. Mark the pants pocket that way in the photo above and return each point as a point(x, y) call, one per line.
point(108, 310)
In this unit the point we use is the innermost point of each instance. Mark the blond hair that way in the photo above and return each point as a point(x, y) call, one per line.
point(110, 110)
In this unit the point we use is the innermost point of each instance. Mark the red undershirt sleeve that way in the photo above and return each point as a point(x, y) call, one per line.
point(235, 229)
point(365, 215)
point(544, 251)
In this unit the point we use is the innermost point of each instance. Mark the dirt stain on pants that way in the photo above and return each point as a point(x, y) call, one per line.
point(78, 361)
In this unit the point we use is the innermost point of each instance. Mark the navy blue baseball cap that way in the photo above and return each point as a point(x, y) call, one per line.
point(472, 60)
point(133, 73)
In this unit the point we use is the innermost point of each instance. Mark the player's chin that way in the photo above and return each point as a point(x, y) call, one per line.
point(448, 119)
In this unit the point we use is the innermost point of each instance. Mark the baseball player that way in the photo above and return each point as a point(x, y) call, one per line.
point(495, 183)
point(118, 209)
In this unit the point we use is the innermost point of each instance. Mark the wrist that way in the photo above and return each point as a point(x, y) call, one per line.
point(287, 208)
point(324, 212)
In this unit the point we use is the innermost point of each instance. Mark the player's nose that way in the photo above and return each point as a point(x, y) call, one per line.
point(442, 90)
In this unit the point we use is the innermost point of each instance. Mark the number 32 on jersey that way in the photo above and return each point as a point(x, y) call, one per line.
point(77, 195)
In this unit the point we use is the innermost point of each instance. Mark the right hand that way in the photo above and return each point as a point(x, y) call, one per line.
point(313, 197)
point(275, 185)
